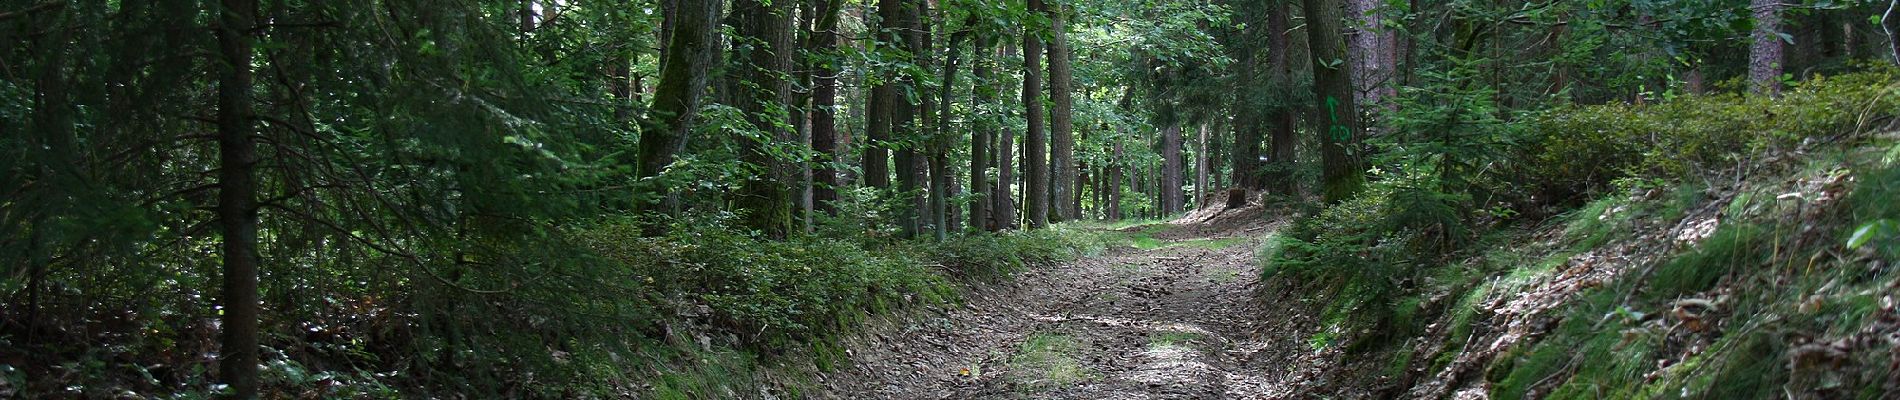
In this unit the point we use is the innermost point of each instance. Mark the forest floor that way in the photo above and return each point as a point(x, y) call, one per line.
point(1171, 313)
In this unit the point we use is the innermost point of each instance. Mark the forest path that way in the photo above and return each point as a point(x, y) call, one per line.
point(1172, 317)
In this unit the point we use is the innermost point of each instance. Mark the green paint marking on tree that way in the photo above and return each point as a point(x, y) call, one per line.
point(1338, 131)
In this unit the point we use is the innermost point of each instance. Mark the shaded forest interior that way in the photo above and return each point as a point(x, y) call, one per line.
point(661, 198)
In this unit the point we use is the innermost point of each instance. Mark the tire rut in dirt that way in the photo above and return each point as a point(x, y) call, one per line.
point(1177, 322)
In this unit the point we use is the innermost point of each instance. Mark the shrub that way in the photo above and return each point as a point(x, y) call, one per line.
point(1579, 150)
point(772, 291)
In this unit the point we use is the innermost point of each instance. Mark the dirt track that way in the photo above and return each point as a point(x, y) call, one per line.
point(1176, 320)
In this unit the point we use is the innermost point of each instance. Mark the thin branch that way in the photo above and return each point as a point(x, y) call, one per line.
point(413, 259)
point(31, 9)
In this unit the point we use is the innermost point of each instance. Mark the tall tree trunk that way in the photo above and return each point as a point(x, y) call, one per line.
point(1146, 176)
point(1249, 108)
point(526, 17)
point(1082, 187)
point(1115, 176)
point(621, 87)
point(676, 98)
point(1764, 56)
point(1200, 167)
point(1216, 156)
point(763, 36)
point(1368, 65)
point(803, 23)
point(1118, 166)
point(1006, 172)
point(883, 103)
point(1061, 116)
point(982, 94)
point(940, 160)
point(1102, 176)
point(1338, 119)
point(1280, 120)
point(907, 127)
point(1388, 72)
point(1035, 172)
point(1171, 170)
point(937, 111)
point(237, 199)
point(824, 113)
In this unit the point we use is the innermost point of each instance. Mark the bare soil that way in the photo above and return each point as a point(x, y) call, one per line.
point(1181, 321)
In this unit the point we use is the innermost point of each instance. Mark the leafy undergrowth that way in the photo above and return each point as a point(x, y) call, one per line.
point(1770, 294)
point(1721, 246)
point(704, 311)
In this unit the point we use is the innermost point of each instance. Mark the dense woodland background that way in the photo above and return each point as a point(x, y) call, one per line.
point(552, 198)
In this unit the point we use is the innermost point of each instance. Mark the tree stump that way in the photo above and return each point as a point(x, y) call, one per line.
point(1236, 198)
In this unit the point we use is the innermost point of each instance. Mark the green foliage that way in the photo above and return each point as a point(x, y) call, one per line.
point(1454, 168)
point(1783, 287)
point(1356, 255)
point(1871, 217)
point(776, 292)
point(987, 257)
point(1582, 150)
point(1734, 247)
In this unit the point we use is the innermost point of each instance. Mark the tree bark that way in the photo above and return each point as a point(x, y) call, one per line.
point(824, 113)
point(526, 16)
point(1368, 64)
point(1249, 109)
point(883, 102)
point(676, 99)
point(1035, 172)
point(937, 110)
point(981, 130)
point(941, 180)
point(1062, 178)
point(1338, 119)
point(1280, 120)
point(237, 199)
point(1200, 167)
point(1006, 173)
point(907, 124)
point(1171, 169)
point(763, 35)
point(1115, 183)
point(1764, 55)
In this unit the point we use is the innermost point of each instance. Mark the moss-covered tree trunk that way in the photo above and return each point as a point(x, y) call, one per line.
point(690, 51)
point(763, 41)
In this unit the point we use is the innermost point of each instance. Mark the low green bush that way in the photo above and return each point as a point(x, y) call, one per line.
point(772, 291)
point(1580, 150)
point(991, 256)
